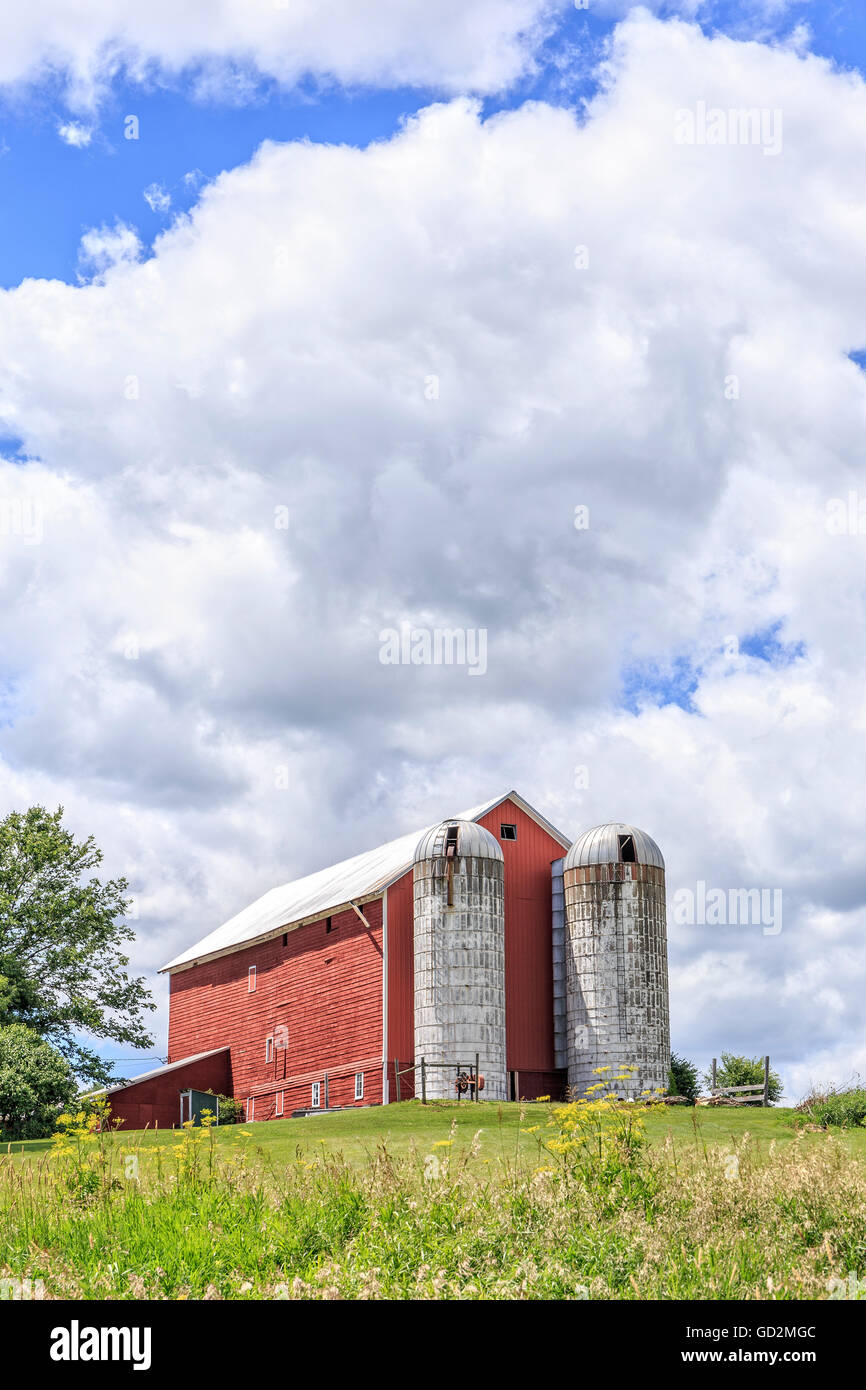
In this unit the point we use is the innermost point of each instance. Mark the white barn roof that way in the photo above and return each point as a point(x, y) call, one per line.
point(329, 889)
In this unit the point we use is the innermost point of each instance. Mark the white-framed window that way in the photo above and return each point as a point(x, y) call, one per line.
point(359, 1085)
point(251, 980)
point(251, 1109)
point(281, 1101)
point(269, 1050)
point(316, 1097)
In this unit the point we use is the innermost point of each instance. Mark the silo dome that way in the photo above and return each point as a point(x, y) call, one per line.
point(614, 843)
point(471, 839)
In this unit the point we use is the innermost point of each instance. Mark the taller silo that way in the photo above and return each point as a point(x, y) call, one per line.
point(459, 956)
point(616, 960)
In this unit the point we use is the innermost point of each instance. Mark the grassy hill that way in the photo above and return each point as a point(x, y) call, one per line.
point(357, 1134)
point(444, 1201)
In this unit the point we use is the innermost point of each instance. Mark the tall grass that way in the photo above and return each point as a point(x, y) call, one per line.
point(597, 1214)
point(844, 1107)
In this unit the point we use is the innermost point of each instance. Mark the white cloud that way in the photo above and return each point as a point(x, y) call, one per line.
point(104, 247)
point(75, 134)
point(157, 198)
point(451, 46)
point(170, 649)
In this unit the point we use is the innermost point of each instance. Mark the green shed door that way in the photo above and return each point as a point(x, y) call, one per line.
point(193, 1103)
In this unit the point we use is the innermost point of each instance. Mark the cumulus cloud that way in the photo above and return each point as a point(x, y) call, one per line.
point(103, 247)
point(450, 46)
point(355, 388)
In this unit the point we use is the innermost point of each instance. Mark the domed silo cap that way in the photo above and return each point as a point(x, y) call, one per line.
point(472, 841)
point(614, 843)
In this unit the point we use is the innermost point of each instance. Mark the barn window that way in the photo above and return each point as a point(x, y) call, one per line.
point(626, 849)
point(359, 1085)
point(269, 1050)
point(280, 1105)
point(285, 938)
point(251, 980)
point(508, 832)
point(315, 1099)
point(329, 924)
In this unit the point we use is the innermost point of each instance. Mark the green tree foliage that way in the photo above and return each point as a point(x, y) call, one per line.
point(683, 1078)
point(231, 1110)
point(62, 967)
point(744, 1071)
point(36, 1083)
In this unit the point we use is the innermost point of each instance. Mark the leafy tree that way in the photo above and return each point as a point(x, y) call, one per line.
point(36, 1083)
point(683, 1078)
point(231, 1110)
point(62, 968)
point(745, 1071)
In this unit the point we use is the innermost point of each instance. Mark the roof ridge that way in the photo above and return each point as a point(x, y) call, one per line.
point(303, 899)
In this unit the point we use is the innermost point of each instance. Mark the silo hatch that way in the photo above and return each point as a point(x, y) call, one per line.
point(626, 849)
point(450, 852)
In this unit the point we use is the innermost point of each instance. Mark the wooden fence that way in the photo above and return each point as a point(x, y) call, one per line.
point(734, 1093)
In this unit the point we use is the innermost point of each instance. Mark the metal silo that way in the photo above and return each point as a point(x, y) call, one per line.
point(460, 956)
point(616, 960)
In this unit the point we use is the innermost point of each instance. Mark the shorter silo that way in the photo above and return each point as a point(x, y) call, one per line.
point(459, 926)
point(616, 962)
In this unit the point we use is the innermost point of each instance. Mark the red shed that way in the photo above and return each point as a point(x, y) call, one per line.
point(153, 1099)
point(309, 992)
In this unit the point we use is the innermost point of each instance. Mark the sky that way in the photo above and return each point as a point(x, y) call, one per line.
point(485, 317)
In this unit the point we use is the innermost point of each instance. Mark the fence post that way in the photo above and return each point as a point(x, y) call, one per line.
point(397, 1077)
point(766, 1081)
point(476, 1075)
point(713, 1087)
point(423, 1082)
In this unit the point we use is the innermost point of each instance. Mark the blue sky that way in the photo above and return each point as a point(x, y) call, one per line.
point(172, 661)
point(52, 192)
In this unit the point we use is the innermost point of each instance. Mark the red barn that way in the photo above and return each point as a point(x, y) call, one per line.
point(311, 988)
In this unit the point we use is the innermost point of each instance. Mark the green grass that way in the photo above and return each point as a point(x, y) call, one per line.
point(412, 1202)
point(356, 1134)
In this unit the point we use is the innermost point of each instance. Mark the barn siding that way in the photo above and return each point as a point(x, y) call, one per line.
point(401, 983)
point(155, 1103)
point(323, 988)
point(528, 940)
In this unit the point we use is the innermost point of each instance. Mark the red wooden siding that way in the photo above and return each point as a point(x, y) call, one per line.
point(401, 983)
point(528, 938)
point(323, 988)
point(156, 1102)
